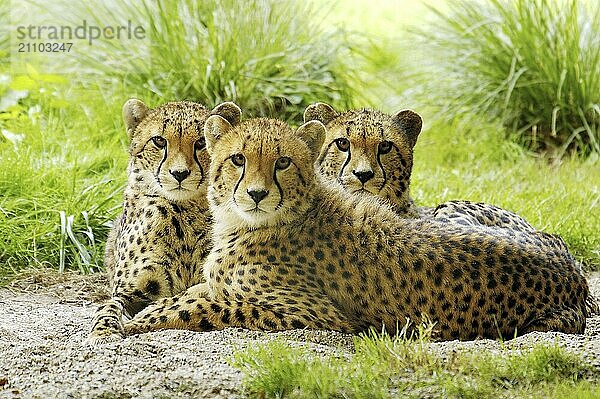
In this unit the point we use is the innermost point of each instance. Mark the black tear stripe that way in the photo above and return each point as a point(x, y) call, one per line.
point(346, 162)
point(382, 171)
point(349, 156)
point(160, 166)
point(278, 188)
point(238, 183)
point(166, 149)
point(277, 182)
point(199, 169)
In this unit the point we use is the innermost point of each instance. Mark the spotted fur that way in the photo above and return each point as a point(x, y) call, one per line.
point(309, 254)
point(380, 147)
point(159, 242)
point(480, 213)
point(366, 130)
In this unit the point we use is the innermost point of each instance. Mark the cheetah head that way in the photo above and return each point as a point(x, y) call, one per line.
point(168, 154)
point(366, 150)
point(260, 170)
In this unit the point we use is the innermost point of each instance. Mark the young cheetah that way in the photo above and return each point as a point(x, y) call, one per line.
point(159, 242)
point(370, 152)
point(290, 251)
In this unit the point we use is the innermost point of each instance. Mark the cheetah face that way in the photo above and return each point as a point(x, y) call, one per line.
point(173, 166)
point(260, 170)
point(168, 150)
point(367, 151)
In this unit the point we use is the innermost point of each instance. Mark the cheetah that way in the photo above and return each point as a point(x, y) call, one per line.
point(292, 251)
point(371, 152)
point(160, 240)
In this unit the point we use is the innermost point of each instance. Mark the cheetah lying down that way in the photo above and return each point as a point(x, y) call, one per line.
point(290, 251)
point(158, 244)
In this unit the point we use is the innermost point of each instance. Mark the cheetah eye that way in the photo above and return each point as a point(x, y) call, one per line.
point(283, 163)
point(238, 159)
point(159, 141)
point(343, 144)
point(200, 144)
point(385, 147)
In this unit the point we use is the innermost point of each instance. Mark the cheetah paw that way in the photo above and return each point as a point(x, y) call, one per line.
point(104, 335)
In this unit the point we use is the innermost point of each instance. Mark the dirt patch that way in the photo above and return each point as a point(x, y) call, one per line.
point(45, 317)
point(69, 286)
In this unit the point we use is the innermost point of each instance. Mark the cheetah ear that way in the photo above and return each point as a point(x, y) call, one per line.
point(134, 111)
point(228, 111)
point(214, 127)
point(321, 112)
point(313, 134)
point(410, 123)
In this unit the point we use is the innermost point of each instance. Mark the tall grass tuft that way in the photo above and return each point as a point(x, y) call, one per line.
point(269, 56)
point(62, 169)
point(534, 64)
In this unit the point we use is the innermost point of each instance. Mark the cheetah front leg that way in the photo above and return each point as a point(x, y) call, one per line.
point(107, 324)
point(198, 313)
point(131, 293)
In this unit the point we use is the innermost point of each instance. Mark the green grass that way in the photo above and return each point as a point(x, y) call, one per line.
point(534, 65)
point(62, 162)
point(250, 52)
point(384, 367)
point(4, 35)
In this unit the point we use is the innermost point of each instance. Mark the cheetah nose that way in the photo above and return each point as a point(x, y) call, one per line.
point(180, 175)
point(257, 195)
point(364, 175)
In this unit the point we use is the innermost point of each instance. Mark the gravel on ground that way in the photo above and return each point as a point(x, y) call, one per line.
point(45, 318)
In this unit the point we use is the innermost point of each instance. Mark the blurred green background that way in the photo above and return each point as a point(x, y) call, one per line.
point(509, 92)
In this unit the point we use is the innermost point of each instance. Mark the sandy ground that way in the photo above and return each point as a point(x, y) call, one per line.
point(44, 320)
